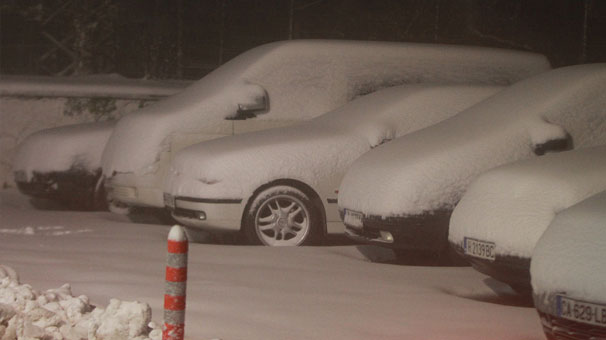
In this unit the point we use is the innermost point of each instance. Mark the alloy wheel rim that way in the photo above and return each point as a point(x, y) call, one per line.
point(282, 220)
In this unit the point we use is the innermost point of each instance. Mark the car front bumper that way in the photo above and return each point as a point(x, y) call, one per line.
point(207, 214)
point(558, 327)
point(513, 270)
point(73, 185)
point(424, 232)
point(134, 191)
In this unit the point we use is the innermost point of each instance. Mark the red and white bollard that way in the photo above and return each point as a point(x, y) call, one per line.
point(175, 286)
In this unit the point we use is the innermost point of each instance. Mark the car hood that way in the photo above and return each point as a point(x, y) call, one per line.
point(63, 148)
point(569, 257)
point(512, 205)
point(430, 169)
point(232, 167)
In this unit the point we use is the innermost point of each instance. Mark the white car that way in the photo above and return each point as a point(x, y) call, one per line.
point(499, 220)
point(568, 272)
point(401, 194)
point(64, 164)
point(279, 84)
point(279, 186)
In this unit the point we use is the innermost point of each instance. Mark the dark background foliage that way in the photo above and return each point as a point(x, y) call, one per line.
point(187, 38)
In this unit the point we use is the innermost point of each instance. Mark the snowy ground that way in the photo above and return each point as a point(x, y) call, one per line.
point(250, 292)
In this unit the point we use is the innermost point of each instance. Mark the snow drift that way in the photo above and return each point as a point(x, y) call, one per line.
point(56, 314)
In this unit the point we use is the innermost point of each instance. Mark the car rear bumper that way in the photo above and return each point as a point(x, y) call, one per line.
point(426, 232)
point(207, 214)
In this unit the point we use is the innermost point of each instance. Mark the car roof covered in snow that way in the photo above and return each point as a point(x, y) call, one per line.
point(317, 149)
point(62, 148)
point(430, 169)
point(303, 78)
point(569, 257)
point(512, 205)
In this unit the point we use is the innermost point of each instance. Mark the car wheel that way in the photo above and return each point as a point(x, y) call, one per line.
point(282, 216)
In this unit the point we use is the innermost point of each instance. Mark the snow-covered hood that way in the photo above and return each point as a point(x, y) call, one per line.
point(232, 167)
point(303, 79)
point(512, 205)
point(430, 169)
point(60, 149)
point(318, 149)
point(569, 257)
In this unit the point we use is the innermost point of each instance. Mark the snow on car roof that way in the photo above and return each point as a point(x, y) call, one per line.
point(61, 148)
point(317, 149)
point(303, 79)
point(569, 257)
point(430, 169)
point(512, 205)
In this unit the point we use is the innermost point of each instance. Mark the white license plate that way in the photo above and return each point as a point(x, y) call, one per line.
point(580, 311)
point(353, 219)
point(480, 249)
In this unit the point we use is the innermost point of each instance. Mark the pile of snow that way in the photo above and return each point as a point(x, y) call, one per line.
point(303, 79)
point(569, 257)
point(319, 151)
point(56, 314)
point(430, 169)
point(512, 205)
point(91, 86)
point(77, 146)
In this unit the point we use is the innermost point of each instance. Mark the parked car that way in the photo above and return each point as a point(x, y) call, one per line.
point(279, 84)
point(499, 220)
point(64, 164)
point(279, 186)
point(401, 194)
point(569, 273)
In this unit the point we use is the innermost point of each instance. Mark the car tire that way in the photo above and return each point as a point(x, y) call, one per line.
point(282, 216)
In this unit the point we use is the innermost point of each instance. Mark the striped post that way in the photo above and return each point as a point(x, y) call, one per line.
point(176, 280)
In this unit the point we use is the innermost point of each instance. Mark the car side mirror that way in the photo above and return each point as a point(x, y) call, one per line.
point(251, 108)
point(548, 137)
point(553, 145)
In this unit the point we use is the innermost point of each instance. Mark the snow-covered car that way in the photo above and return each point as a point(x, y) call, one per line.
point(64, 164)
point(401, 194)
point(278, 84)
point(499, 220)
point(279, 186)
point(568, 272)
